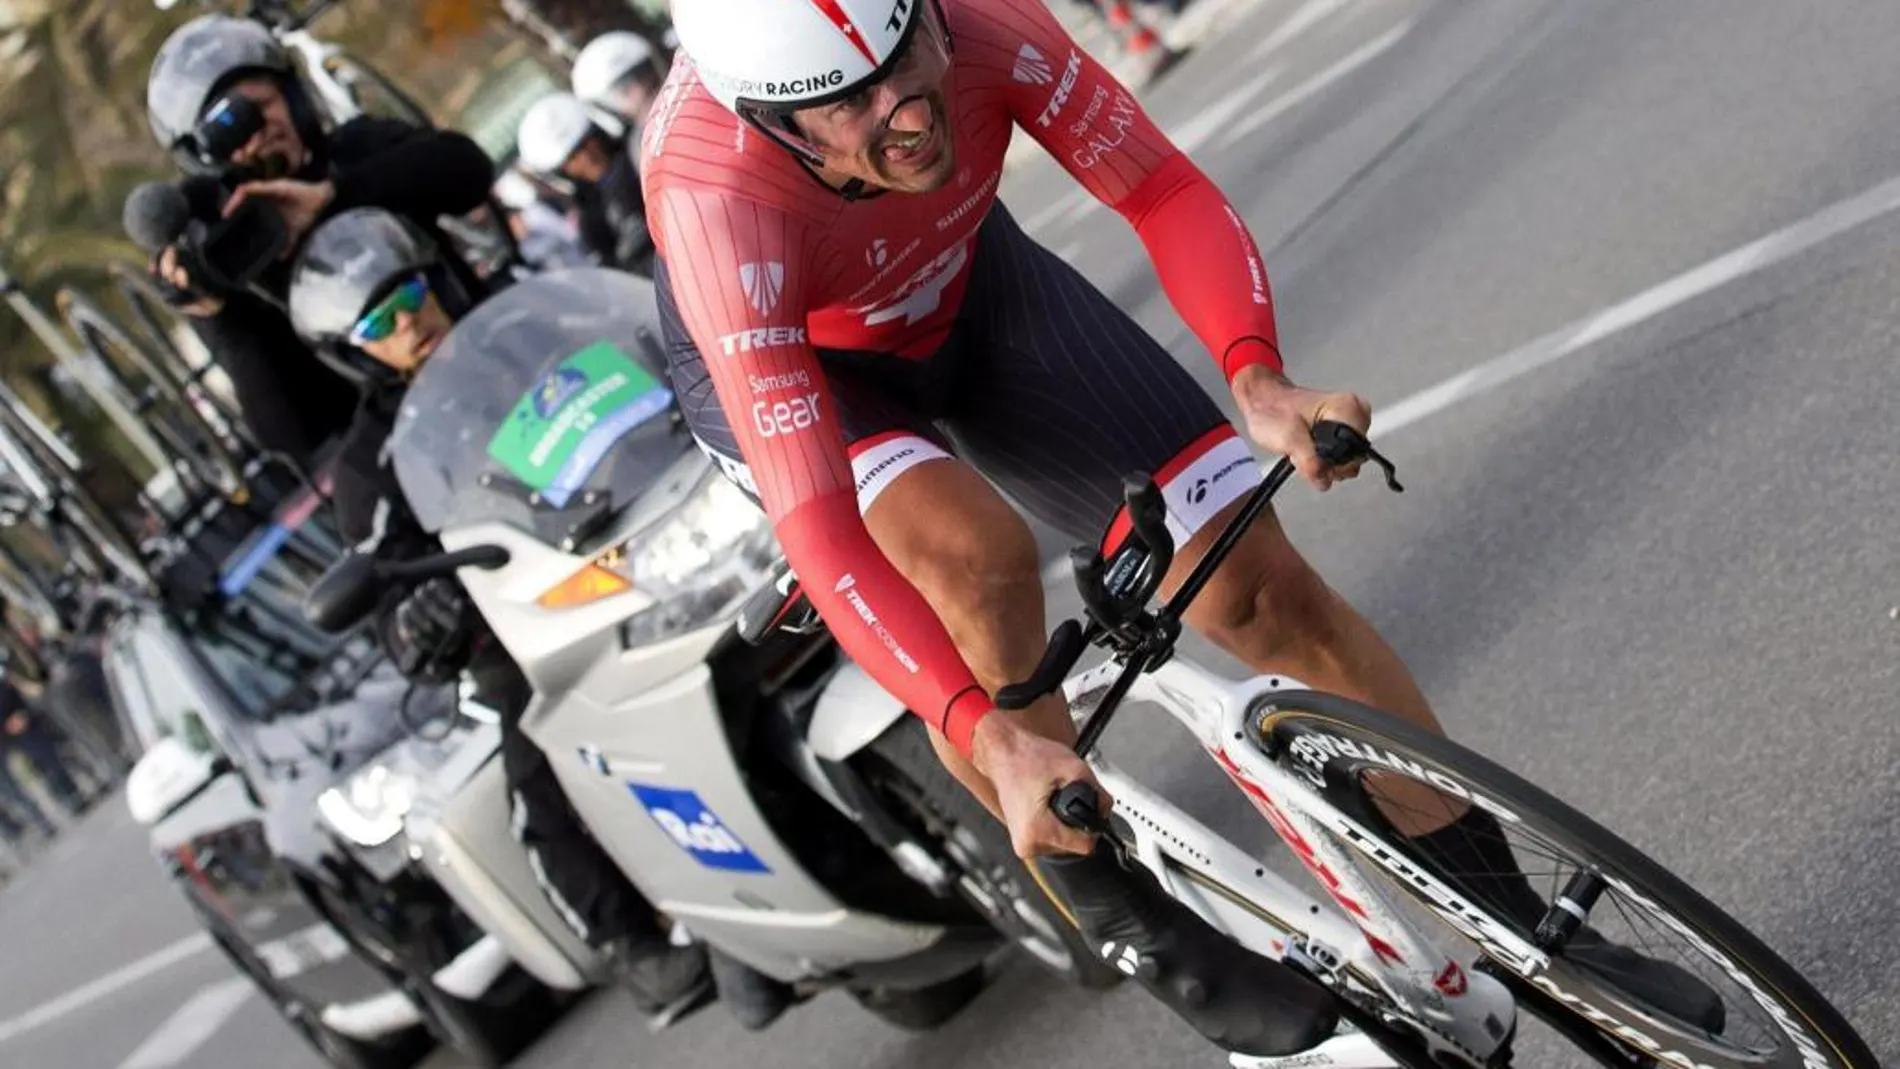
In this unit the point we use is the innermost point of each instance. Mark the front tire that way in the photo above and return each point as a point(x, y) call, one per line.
point(1344, 750)
point(336, 1049)
point(904, 768)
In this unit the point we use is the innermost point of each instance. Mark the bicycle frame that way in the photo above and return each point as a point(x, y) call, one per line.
point(1365, 943)
point(1458, 1016)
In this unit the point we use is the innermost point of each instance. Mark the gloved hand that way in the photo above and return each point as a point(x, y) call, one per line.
point(431, 633)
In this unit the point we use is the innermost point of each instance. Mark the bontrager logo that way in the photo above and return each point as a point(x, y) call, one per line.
point(763, 283)
point(1032, 68)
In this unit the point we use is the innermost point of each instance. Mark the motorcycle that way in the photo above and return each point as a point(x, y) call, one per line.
point(758, 787)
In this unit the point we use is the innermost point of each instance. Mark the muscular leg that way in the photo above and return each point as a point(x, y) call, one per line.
point(1267, 607)
point(969, 554)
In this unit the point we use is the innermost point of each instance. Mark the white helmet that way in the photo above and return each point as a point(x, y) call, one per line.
point(605, 62)
point(551, 130)
point(514, 191)
point(766, 57)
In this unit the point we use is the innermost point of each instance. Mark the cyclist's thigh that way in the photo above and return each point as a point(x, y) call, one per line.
point(1063, 394)
point(883, 436)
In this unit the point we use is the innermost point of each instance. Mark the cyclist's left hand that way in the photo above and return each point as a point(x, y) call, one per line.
point(300, 203)
point(1280, 417)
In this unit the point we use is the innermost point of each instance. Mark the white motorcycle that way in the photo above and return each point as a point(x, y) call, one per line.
point(778, 803)
point(758, 788)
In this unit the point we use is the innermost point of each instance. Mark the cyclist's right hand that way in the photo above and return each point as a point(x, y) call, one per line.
point(1027, 769)
point(174, 273)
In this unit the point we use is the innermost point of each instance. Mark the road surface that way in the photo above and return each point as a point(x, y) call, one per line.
point(1650, 552)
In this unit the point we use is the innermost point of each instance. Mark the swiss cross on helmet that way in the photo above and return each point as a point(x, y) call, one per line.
point(765, 59)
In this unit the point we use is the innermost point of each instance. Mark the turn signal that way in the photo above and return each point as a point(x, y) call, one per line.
point(590, 584)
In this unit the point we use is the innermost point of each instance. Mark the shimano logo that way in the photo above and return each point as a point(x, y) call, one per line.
point(970, 202)
point(746, 341)
point(884, 465)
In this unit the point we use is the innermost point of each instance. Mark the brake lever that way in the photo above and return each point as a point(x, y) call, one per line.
point(1339, 444)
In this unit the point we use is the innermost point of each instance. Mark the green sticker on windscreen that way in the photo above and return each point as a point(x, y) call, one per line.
point(559, 432)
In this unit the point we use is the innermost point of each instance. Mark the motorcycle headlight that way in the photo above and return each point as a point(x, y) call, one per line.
point(367, 809)
point(697, 565)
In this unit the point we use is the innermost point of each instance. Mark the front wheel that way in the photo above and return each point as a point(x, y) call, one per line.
point(337, 1050)
point(1774, 1019)
point(904, 768)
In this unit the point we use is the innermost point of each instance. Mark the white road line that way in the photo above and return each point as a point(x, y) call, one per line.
point(1211, 119)
point(86, 994)
point(191, 1026)
point(1308, 15)
point(1346, 64)
point(1573, 338)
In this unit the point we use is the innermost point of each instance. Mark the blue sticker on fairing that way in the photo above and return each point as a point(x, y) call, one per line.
point(696, 829)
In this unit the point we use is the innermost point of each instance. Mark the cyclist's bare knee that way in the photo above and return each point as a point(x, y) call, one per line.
point(959, 543)
point(1265, 601)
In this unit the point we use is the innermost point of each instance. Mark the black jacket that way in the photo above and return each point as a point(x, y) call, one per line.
point(613, 217)
point(292, 401)
point(588, 890)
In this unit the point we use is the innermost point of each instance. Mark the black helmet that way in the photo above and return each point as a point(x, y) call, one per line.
point(198, 60)
point(349, 260)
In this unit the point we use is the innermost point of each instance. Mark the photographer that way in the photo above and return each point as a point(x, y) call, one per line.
point(371, 292)
point(559, 138)
point(225, 100)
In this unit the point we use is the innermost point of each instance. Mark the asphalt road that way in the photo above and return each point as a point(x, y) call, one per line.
point(1655, 572)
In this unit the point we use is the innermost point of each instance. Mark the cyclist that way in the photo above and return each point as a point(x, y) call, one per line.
point(371, 292)
point(619, 73)
point(865, 339)
point(560, 138)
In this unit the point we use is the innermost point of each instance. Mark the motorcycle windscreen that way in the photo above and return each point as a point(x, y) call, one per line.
point(545, 408)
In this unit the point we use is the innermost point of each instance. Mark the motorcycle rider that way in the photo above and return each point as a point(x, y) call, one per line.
point(291, 402)
point(620, 73)
point(560, 138)
point(864, 335)
point(373, 294)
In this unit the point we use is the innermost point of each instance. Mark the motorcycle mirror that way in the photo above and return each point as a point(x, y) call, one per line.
point(344, 595)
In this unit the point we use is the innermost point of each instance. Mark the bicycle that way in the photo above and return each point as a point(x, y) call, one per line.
point(1303, 758)
point(158, 417)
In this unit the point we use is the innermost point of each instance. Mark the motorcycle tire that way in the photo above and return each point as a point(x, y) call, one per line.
point(904, 768)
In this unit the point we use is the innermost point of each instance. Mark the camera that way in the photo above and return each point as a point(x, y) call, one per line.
point(227, 256)
point(228, 123)
point(222, 254)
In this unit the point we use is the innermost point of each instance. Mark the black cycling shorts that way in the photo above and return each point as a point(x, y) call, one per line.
point(1043, 386)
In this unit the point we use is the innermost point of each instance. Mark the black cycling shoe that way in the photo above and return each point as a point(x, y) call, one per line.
point(755, 999)
point(1473, 851)
point(666, 981)
point(1660, 985)
point(1245, 1003)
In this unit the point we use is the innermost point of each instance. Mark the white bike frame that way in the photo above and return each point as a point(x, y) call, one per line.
point(1365, 943)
